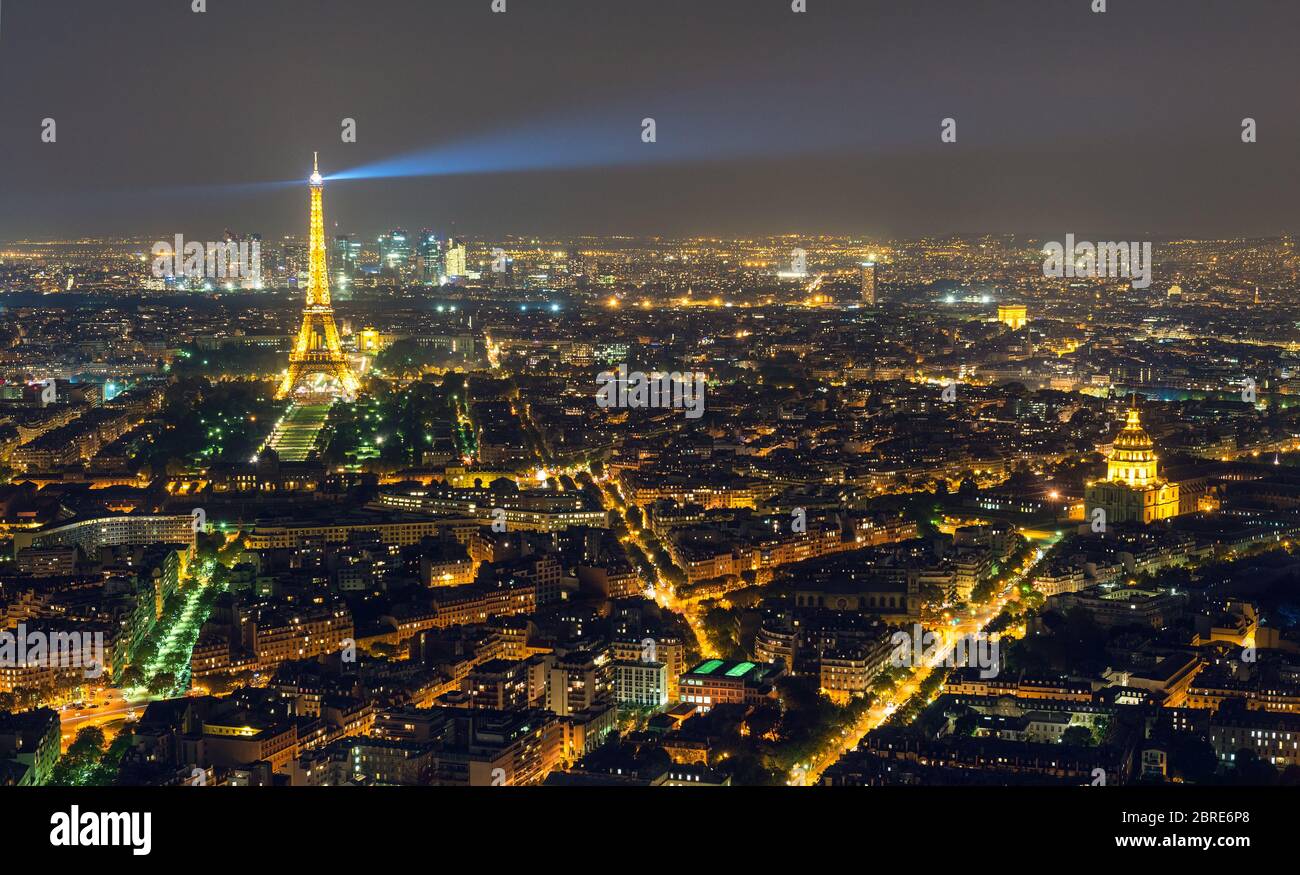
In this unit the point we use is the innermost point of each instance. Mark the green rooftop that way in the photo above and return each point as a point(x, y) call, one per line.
point(707, 667)
point(739, 669)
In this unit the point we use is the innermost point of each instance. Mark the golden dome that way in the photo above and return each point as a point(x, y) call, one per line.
point(1133, 436)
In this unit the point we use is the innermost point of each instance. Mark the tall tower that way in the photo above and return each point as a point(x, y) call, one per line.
point(317, 364)
point(869, 283)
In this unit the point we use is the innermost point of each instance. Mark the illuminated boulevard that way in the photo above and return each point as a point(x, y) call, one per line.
point(115, 707)
point(886, 706)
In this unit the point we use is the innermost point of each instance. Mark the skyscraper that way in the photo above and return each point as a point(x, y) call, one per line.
point(869, 283)
point(253, 244)
point(347, 265)
point(347, 254)
point(574, 266)
point(456, 262)
point(395, 251)
point(429, 257)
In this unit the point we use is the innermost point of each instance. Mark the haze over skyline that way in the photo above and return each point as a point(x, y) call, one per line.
point(529, 122)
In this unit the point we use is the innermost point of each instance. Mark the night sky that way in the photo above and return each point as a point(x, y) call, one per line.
point(1114, 125)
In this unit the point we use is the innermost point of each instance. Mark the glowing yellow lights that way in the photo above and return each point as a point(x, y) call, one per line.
point(1133, 460)
point(317, 350)
point(1014, 316)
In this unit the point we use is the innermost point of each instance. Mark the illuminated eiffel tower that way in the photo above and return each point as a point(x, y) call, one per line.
point(317, 366)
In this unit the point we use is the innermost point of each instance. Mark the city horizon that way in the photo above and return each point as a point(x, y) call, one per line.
point(341, 478)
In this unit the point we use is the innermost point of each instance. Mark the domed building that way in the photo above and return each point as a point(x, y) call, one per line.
point(1133, 490)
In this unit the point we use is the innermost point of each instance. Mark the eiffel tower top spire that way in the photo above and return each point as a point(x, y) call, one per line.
point(318, 289)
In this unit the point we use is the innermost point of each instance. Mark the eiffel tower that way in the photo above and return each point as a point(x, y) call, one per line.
point(317, 366)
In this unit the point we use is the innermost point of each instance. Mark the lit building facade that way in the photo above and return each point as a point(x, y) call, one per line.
point(1133, 490)
point(395, 251)
point(429, 257)
point(111, 531)
point(1014, 316)
point(868, 281)
point(641, 684)
point(719, 682)
point(455, 264)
